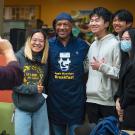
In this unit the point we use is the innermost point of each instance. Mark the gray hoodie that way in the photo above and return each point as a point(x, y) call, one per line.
point(102, 84)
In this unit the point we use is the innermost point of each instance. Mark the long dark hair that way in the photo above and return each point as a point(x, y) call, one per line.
point(131, 32)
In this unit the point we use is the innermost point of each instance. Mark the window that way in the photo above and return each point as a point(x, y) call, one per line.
point(21, 12)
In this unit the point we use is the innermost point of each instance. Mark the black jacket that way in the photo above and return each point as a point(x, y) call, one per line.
point(126, 90)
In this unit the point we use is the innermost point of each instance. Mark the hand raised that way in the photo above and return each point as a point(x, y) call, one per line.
point(95, 64)
point(40, 87)
point(5, 46)
point(7, 50)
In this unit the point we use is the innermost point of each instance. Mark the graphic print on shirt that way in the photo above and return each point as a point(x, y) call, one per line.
point(64, 63)
point(32, 74)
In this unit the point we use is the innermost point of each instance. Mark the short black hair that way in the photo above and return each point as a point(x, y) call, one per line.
point(124, 15)
point(102, 12)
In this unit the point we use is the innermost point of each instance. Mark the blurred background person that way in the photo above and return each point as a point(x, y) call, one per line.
point(10, 75)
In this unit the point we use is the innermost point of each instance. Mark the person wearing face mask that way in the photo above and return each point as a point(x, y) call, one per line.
point(125, 45)
point(29, 98)
point(125, 96)
point(122, 19)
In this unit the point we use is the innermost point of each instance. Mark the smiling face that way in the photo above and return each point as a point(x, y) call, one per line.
point(37, 42)
point(63, 28)
point(98, 26)
point(126, 36)
point(120, 25)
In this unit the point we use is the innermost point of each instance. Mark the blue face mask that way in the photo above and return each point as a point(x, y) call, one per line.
point(125, 45)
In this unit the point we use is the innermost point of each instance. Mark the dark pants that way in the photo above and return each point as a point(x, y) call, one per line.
point(61, 129)
point(129, 118)
point(96, 112)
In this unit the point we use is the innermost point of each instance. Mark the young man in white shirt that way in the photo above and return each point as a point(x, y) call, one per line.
point(104, 63)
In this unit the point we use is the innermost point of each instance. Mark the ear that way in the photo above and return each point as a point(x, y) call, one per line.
point(71, 24)
point(129, 25)
point(54, 24)
point(106, 24)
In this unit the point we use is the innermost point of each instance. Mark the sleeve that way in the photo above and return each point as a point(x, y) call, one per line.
point(120, 89)
point(86, 64)
point(45, 79)
point(10, 76)
point(86, 60)
point(112, 70)
point(118, 92)
point(129, 92)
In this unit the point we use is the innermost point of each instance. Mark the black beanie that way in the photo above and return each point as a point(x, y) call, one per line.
point(62, 16)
